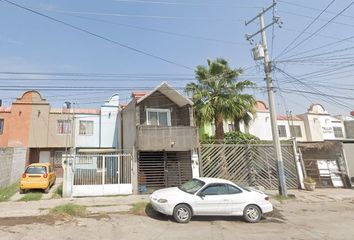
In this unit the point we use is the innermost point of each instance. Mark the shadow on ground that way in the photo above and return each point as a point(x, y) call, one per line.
point(273, 217)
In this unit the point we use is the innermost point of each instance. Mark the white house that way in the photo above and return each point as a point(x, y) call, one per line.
point(291, 127)
point(260, 125)
point(321, 126)
point(87, 128)
point(98, 128)
point(110, 123)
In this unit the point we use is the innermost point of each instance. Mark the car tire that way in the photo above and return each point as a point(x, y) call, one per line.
point(47, 189)
point(22, 191)
point(182, 213)
point(252, 213)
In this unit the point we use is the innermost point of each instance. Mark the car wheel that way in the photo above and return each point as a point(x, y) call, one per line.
point(47, 189)
point(22, 191)
point(182, 213)
point(252, 213)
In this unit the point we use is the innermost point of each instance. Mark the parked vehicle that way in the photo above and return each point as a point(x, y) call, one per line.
point(212, 197)
point(37, 176)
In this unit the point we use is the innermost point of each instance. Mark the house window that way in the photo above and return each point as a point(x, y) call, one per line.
point(158, 117)
point(282, 131)
point(296, 131)
point(63, 126)
point(1, 126)
point(338, 132)
point(86, 128)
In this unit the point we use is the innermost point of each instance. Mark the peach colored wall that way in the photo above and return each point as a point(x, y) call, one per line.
point(5, 135)
point(19, 125)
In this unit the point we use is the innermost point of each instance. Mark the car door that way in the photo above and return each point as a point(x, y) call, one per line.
point(212, 200)
point(238, 200)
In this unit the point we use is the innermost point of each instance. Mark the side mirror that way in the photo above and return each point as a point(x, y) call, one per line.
point(201, 195)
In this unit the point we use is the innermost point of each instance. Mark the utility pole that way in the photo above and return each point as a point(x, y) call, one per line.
point(270, 90)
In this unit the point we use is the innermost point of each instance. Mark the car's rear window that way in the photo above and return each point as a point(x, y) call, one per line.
point(36, 170)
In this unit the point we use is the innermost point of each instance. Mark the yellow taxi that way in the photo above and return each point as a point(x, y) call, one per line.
point(37, 176)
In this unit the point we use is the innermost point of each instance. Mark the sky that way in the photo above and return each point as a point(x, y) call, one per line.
point(84, 51)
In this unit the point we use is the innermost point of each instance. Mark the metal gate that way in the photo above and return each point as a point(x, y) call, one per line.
point(248, 165)
point(163, 169)
point(100, 175)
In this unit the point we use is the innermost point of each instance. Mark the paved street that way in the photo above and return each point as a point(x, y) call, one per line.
point(309, 216)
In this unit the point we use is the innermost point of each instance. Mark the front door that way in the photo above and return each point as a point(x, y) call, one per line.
point(213, 200)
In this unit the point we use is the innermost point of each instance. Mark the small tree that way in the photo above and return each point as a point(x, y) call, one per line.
point(217, 95)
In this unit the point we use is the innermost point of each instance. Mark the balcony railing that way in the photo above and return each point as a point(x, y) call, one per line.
point(156, 138)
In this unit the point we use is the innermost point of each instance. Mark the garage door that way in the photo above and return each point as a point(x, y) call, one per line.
point(163, 169)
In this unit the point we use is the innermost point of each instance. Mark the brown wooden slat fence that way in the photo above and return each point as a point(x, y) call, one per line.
point(248, 165)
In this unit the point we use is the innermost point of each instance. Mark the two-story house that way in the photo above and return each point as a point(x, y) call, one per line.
point(291, 127)
point(320, 125)
point(98, 130)
point(47, 133)
point(159, 131)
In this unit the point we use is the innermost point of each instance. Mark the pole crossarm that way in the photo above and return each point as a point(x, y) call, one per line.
point(261, 13)
point(248, 37)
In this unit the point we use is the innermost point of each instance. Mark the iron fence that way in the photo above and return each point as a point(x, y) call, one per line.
point(248, 165)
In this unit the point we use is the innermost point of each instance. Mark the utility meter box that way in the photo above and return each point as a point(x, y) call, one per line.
point(258, 52)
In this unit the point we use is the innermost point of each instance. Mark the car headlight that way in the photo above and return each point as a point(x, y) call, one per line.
point(161, 200)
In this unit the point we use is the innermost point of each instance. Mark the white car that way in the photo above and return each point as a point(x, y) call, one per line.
point(210, 196)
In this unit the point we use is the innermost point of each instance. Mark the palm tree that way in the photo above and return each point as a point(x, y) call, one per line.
point(217, 95)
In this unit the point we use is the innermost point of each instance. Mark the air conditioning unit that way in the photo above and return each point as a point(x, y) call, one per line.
point(258, 52)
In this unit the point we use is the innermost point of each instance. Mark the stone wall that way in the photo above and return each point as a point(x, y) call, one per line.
point(12, 164)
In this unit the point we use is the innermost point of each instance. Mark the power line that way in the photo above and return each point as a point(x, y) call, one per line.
point(158, 30)
point(312, 8)
point(316, 90)
point(159, 17)
point(323, 26)
point(179, 3)
point(98, 36)
point(320, 19)
point(305, 29)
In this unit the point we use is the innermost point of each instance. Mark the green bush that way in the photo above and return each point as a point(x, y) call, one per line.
point(240, 138)
point(232, 138)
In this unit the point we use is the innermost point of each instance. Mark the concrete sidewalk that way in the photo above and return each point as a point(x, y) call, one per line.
point(320, 195)
point(94, 205)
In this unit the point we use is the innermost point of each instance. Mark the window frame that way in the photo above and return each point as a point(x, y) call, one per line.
point(2, 126)
point(228, 189)
point(341, 130)
point(212, 185)
point(158, 110)
point(86, 134)
point(70, 128)
point(285, 132)
point(293, 132)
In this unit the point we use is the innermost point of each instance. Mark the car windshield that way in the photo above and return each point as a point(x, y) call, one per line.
point(36, 170)
point(192, 186)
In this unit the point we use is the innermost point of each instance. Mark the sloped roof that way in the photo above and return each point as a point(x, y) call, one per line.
point(291, 118)
point(169, 92)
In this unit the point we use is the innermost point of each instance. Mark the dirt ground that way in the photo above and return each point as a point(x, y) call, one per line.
point(291, 220)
